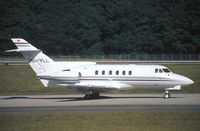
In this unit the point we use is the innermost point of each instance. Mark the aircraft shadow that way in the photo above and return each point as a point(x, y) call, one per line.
point(66, 99)
point(57, 98)
point(109, 97)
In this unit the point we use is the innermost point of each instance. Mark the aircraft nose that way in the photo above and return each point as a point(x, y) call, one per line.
point(187, 81)
point(184, 81)
point(190, 81)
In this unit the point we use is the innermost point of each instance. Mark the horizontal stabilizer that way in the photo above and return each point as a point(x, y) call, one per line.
point(19, 40)
point(23, 45)
point(19, 50)
point(13, 50)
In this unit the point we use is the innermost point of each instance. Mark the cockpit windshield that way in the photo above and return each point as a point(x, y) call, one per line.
point(166, 70)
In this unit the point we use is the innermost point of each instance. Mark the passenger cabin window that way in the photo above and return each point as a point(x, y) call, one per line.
point(103, 72)
point(117, 72)
point(130, 72)
point(160, 71)
point(156, 70)
point(166, 70)
point(96, 72)
point(110, 72)
point(123, 72)
point(79, 74)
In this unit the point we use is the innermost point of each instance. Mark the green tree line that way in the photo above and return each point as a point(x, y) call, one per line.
point(87, 27)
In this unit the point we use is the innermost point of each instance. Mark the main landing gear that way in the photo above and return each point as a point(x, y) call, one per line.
point(91, 96)
point(166, 95)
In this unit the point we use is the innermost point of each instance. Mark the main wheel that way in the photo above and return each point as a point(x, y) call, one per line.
point(91, 96)
point(166, 95)
point(87, 96)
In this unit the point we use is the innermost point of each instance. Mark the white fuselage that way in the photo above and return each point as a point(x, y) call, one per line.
point(103, 78)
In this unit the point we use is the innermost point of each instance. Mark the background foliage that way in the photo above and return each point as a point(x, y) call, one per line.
point(63, 27)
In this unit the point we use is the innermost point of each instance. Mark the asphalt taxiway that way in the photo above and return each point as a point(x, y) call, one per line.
point(106, 102)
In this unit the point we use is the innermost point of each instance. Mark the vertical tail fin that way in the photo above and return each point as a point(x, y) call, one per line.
point(39, 62)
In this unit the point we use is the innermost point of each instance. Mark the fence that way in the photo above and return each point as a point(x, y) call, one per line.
point(144, 57)
point(163, 57)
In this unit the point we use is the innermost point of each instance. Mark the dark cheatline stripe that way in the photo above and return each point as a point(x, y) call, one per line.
point(23, 45)
point(109, 79)
point(123, 80)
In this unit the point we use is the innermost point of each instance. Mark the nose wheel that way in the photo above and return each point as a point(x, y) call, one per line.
point(166, 95)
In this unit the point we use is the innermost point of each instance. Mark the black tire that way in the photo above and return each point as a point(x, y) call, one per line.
point(166, 95)
point(87, 96)
point(91, 96)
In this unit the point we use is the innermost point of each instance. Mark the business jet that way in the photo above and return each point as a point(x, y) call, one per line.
point(91, 79)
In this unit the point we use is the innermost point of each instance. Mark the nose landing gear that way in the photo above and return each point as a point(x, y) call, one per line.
point(166, 95)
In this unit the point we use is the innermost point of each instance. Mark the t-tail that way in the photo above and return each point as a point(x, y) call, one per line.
point(39, 62)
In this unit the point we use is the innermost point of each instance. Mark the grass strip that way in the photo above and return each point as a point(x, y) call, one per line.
point(106, 121)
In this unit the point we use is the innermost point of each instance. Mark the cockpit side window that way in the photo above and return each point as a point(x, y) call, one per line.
point(157, 70)
point(166, 70)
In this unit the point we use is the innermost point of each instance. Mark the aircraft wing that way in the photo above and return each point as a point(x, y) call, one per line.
point(104, 86)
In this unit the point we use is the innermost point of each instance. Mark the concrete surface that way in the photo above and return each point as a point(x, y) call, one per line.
point(106, 102)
